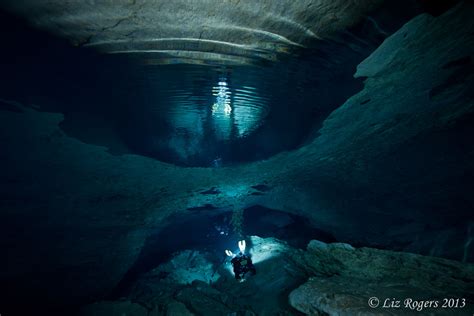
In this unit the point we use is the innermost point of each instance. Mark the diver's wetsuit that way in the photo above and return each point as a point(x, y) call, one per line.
point(242, 264)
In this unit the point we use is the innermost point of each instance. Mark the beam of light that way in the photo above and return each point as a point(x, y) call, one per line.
point(242, 246)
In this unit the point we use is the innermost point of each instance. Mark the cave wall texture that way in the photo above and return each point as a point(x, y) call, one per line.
point(232, 32)
point(391, 167)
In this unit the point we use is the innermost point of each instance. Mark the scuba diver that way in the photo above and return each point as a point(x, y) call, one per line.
point(241, 262)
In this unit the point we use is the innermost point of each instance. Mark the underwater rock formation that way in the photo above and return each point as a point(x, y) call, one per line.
point(324, 279)
point(348, 277)
point(390, 168)
point(276, 275)
point(227, 32)
point(401, 145)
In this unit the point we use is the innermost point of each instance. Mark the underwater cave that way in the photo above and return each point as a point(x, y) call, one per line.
point(237, 158)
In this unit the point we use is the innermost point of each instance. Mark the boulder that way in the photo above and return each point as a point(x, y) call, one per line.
point(345, 279)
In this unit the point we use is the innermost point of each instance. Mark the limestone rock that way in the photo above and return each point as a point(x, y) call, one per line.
point(348, 278)
point(224, 32)
point(381, 141)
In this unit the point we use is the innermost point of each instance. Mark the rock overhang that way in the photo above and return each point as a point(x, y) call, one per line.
point(202, 32)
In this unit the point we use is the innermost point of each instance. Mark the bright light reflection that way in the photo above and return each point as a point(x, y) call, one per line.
point(222, 94)
point(262, 250)
point(266, 249)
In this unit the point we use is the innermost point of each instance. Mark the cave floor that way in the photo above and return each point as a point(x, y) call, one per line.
point(324, 278)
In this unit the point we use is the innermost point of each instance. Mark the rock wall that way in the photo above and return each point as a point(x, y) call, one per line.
point(398, 155)
point(349, 281)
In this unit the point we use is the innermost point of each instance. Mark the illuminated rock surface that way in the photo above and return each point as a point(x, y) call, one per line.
point(347, 277)
point(234, 32)
point(391, 167)
point(341, 281)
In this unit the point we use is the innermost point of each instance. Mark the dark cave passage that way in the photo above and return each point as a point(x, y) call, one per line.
point(212, 231)
point(293, 229)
